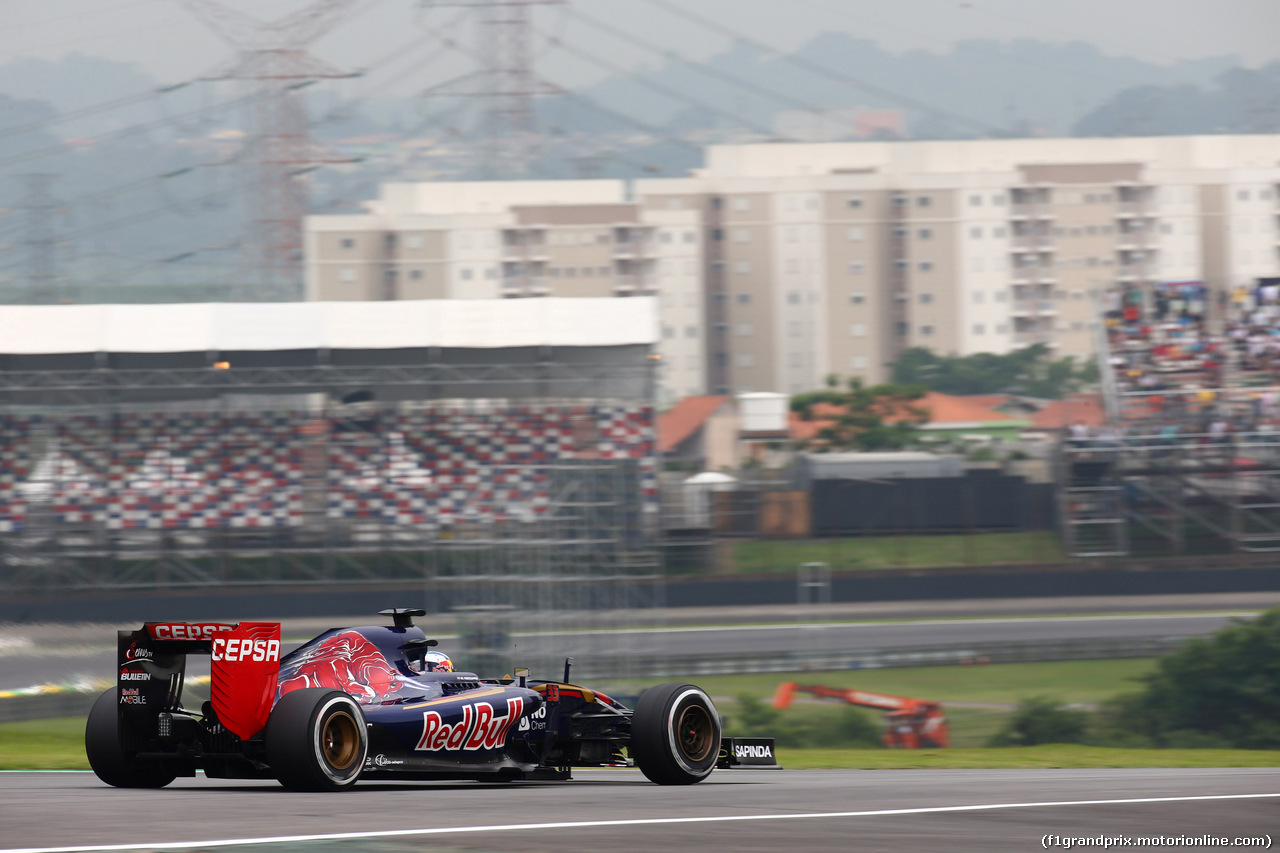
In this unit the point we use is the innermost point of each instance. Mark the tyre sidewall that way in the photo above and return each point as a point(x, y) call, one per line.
point(107, 758)
point(655, 742)
point(685, 698)
point(294, 740)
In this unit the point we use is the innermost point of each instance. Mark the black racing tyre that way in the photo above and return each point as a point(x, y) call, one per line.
point(675, 734)
point(110, 761)
point(317, 740)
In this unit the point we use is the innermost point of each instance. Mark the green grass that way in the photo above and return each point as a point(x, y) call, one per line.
point(1075, 681)
point(999, 685)
point(1030, 757)
point(52, 744)
point(59, 743)
point(894, 552)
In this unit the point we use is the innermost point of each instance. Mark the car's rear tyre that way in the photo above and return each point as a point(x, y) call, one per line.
point(675, 734)
point(317, 740)
point(109, 759)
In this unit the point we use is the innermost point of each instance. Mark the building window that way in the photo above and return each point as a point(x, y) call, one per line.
point(979, 297)
point(741, 204)
point(927, 330)
point(745, 330)
point(900, 328)
point(857, 298)
point(664, 236)
point(742, 267)
point(926, 266)
point(796, 359)
point(746, 359)
point(979, 329)
point(347, 274)
point(466, 273)
point(925, 234)
point(899, 201)
point(858, 362)
point(794, 328)
point(744, 298)
point(900, 264)
point(997, 199)
point(1002, 329)
point(853, 202)
point(415, 275)
point(741, 235)
point(975, 201)
point(793, 297)
point(926, 298)
point(855, 267)
point(924, 201)
point(854, 234)
point(1243, 195)
point(858, 330)
point(413, 241)
point(691, 332)
point(689, 238)
point(348, 242)
point(975, 233)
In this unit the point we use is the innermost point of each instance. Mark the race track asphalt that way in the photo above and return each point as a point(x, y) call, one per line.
point(616, 810)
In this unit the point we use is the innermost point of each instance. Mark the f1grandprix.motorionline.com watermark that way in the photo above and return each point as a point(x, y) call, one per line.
point(1109, 841)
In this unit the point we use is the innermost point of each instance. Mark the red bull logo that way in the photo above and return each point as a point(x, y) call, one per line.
point(479, 728)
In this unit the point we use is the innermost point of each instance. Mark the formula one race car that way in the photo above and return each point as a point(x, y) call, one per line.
point(369, 702)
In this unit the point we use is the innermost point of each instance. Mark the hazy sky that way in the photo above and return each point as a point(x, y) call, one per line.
point(166, 40)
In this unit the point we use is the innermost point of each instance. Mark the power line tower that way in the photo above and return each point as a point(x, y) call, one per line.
point(40, 241)
point(505, 81)
point(273, 60)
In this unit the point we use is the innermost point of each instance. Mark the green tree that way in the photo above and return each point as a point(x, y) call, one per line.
point(1029, 371)
point(854, 417)
point(1221, 688)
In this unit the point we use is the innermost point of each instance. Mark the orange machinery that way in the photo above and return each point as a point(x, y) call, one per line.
point(909, 723)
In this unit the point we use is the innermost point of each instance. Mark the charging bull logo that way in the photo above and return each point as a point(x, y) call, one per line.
point(347, 662)
point(479, 728)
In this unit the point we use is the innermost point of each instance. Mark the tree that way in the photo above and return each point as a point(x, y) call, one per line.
point(1042, 720)
point(1029, 371)
point(1225, 687)
point(856, 418)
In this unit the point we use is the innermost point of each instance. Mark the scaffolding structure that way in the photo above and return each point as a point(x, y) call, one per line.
point(519, 498)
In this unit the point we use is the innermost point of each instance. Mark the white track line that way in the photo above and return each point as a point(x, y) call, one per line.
point(591, 824)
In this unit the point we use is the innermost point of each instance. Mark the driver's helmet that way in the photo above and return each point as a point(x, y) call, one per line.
point(437, 662)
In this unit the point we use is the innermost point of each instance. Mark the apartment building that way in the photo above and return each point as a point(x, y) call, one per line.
point(833, 258)
point(780, 264)
point(521, 239)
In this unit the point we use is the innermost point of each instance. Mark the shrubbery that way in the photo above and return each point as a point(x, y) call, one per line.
point(1221, 691)
point(1043, 720)
point(854, 728)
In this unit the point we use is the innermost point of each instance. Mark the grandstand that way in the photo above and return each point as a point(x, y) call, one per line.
point(1189, 462)
point(501, 453)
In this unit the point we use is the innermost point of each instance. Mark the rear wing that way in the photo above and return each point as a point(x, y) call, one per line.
point(152, 663)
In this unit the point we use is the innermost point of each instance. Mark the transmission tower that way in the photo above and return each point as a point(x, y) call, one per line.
point(506, 81)
point(40, 241)
point(272, 59)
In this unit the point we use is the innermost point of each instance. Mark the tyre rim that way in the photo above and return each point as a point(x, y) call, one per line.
point(695, 733)
point(340, 740)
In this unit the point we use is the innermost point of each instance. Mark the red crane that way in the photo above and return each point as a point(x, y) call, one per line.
point(909, 723)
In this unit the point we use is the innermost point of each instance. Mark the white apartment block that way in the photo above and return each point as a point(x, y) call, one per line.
point(779, 264)
point(521, 239)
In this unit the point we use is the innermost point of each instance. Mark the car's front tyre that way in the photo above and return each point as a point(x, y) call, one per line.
point(675, 734)
point(317, 740)
point(109, 759)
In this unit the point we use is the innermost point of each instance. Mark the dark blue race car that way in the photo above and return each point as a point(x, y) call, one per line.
point(377, 702)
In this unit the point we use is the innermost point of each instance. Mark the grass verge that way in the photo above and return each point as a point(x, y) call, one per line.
point(58, 744)
point(897, 552)
point(1021, 758)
